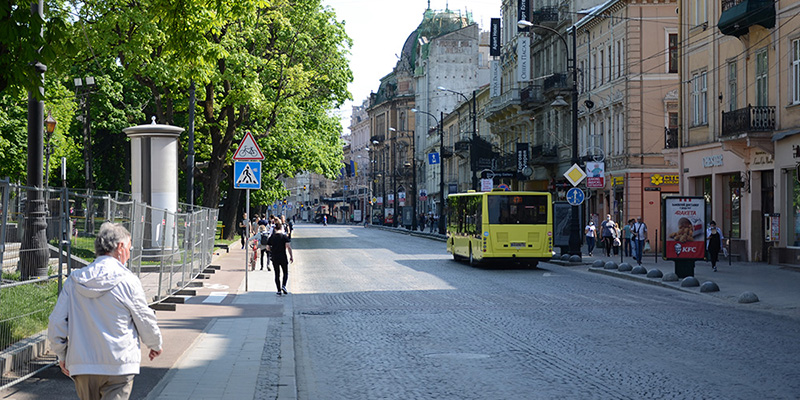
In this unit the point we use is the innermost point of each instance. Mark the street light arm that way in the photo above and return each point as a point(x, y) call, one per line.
point(444, 89)
point(527, 24)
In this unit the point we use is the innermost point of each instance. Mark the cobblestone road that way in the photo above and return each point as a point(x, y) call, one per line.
point(380, 315)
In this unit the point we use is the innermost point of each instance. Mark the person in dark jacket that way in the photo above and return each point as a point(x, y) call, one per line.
point(714, 240)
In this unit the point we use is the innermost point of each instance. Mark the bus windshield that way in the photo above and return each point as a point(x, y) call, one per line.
point(509, 209)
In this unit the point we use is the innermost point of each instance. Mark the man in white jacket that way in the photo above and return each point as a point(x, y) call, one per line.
point(99, 318)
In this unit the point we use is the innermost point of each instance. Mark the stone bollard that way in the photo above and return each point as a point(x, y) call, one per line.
point(670, 277)
point(690, 281)
point(610, 265)
point(708, 287)
point(639, 270)
point(598, 264)
point(747, 298)
point(575, 259)
point(625, 267)
point(655, 273)
point(565, 257)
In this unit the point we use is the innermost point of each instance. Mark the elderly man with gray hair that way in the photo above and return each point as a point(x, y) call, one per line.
point(100, 316)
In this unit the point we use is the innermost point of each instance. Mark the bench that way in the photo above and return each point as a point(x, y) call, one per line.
point(223, 246)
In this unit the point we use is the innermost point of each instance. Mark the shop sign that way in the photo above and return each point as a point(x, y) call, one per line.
point(596, 172)
point(617, 181)
point(658, 179)
point(712, 161)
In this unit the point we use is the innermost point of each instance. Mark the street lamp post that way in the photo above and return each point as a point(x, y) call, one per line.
point(474, 117)
point(440, 128)
point(575, 228)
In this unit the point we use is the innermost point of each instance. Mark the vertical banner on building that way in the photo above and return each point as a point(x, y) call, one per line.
point(494, 87)
point(494, 37)
point(523, 8)
point(523, 59)
point(684, 223)
point(595, 175)
point(522, 156)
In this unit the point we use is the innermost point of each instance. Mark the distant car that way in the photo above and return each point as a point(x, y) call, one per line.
point(318, 218)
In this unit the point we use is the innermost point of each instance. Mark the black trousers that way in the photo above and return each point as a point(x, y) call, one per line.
point(713, 256)
point(278, 267)
point(608, 242)
point(264, 256)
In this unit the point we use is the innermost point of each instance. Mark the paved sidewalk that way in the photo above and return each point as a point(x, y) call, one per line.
point(248, 354)
point(777, 286)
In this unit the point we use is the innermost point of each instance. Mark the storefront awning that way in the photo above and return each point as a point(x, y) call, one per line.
point(780, 135)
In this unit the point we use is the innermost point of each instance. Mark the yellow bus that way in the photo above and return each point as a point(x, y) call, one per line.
point(500, 226)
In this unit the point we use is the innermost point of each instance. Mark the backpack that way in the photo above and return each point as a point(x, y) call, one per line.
point(264, 239)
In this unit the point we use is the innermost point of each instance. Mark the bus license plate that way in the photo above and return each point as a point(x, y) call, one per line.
point(517, 244)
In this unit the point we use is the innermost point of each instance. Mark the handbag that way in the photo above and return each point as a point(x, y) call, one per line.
point(617, 243)
point(725, 251)
point(647, 245)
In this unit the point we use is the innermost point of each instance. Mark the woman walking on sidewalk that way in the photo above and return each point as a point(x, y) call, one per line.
point(713, 243)
point(278, 244)
point(591, 236)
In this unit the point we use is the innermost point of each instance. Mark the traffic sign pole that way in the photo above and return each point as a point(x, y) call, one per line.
point(247, 243)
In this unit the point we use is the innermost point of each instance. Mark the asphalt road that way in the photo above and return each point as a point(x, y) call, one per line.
point(380, 315)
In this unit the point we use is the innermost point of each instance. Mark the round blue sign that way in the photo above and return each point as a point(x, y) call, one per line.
point(575, 196)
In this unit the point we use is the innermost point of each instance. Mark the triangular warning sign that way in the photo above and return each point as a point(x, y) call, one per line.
point(248, 149)
point(247, 177)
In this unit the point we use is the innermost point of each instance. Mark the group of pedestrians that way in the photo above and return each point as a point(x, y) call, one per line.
point(429, 220)
point(632, 237)
point(272, 240)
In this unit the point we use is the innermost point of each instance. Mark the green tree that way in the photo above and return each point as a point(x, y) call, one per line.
point(274, 67)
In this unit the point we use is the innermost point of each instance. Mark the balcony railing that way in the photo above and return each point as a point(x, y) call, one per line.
point(670, 138)
point(555, 82)
point(532, 94)
point(748, 119)
point(547, 16)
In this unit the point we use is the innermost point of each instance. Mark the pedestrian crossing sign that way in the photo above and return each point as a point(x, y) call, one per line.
point(247, 174)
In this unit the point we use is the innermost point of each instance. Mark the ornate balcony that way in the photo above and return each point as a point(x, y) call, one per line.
point(505, 105)
point(555, 82)
point(532, 96)
point(544, 155)
point(739, 15)
point(546, 16)
point(748, 120)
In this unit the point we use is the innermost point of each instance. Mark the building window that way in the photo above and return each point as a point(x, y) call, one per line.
point(732, 89)
point(602, 71)
point(699, 99)
point(673, 52)
point(731, 206)
point(700, 12)
point(594, 75)
point(762, 78)
point(583, 76)
point(610, 64)
point(795, 71)
point(794, 213)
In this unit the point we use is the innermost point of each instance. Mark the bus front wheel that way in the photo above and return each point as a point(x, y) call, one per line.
point(471, 257)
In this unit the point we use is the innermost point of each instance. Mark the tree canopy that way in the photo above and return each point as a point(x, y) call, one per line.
point(274, 67)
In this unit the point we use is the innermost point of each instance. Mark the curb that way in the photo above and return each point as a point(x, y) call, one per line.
point(642, 279)
point(432, 236)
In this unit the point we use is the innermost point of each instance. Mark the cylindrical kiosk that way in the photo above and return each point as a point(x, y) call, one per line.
point(154, 180)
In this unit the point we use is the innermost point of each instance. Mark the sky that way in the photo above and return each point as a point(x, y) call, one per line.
point(379, 28)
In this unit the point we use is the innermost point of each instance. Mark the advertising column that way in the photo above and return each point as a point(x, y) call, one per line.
point(683, 223)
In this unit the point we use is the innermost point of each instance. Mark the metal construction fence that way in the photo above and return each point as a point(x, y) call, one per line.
point(170, 249)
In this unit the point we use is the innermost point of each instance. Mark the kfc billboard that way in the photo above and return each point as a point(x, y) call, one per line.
point(684, 224)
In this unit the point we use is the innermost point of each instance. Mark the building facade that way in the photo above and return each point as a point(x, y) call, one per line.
point(628, 102)
point(739, 120)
